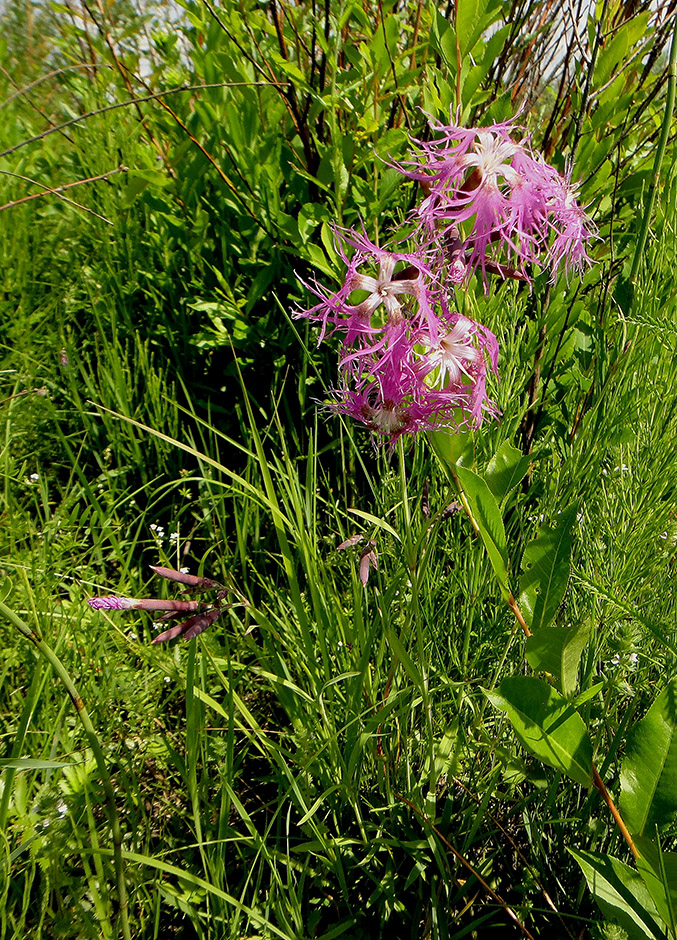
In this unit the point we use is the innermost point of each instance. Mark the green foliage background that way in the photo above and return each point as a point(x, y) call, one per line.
point(168, 174)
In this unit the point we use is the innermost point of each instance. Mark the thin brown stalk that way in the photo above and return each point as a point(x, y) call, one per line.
point(519, 617)
point(156, 96)
point(598, 783)
point(473, 871)
point(519, 853)
point(61, 189)
point(43, 78)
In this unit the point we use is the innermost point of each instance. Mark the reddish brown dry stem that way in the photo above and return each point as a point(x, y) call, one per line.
point(598, 783)
point(512, 604)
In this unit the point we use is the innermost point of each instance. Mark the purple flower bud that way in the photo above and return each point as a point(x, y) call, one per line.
point(190, 628)
point(133, 603)
point(112, 603)
point(190, 580)
point(367, 559)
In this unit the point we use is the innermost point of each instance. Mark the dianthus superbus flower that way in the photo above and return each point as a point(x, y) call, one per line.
point(511, 206)
point(406, 363)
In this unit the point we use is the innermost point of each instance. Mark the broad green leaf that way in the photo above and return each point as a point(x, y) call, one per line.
point(443, 40)
point(507, 468)
point(546, 725)
point(558, 650)
point(545, 571)
point(649, 770)
point(453, 447)
point(621, 895)
point(485, 510)
point(659, 872)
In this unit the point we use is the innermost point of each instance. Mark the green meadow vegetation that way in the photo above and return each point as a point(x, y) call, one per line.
point(482, 739)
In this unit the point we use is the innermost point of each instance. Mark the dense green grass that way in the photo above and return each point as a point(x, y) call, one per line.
point(324, 761)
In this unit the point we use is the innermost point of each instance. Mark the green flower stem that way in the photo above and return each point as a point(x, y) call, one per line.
point(48, 653)
point(658, 160)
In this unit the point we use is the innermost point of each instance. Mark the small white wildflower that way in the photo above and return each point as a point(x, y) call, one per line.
point(133, 636)
point(167, 679)
point(634, 658)
point(61, 808)
point(184, 570)
point(173, 536)
point(616, 660)
point(34, 477)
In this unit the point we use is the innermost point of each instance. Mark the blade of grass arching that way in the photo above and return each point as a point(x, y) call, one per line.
point(38, 681)
point(288, 559)
point(193, 881)
point(46, 651)
point(194, 730)
point(249, 488)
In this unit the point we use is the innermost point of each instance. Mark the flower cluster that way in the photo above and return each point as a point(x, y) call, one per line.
point(408, 360)
point(199, 614)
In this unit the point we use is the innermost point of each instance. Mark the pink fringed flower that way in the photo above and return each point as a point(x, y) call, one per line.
point(506, 200)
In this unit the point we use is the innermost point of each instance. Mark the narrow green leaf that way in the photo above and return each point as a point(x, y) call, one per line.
point(588, 694)
point(488, 517)
point(659, 872)
point(507, 468)
point(379, 523)
point(621, 895)
point(546, 725)
point(471, 21)
point(33, 763)
point(558, 650)
point(649, 770)
point(408, 664)
point(546, 571)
